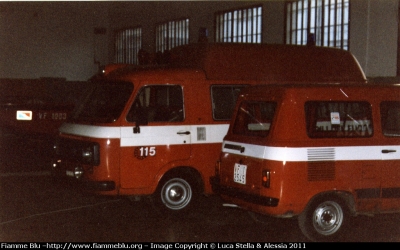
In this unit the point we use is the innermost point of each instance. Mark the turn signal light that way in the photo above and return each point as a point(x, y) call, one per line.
point(266, 178)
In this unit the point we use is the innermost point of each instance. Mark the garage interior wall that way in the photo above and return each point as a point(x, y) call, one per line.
point(71, 39)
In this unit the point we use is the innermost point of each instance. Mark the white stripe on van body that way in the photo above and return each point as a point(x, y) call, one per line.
point(150, 135)
point(304, 154)
point(91, 131)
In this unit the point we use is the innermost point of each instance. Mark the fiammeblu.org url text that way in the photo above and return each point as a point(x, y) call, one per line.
point(68, 246)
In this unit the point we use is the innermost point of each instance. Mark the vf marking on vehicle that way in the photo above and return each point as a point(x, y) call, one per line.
point(32, 115)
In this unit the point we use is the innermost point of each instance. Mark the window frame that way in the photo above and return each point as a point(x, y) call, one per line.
point(243, 126)
point(318, 26)
point(130, 46)
point(151, 103)
point(225, 25)
point(338, 130)
point(384, 108)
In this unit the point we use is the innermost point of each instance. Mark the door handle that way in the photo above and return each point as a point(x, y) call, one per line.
point(184, 133)
point(387, 151)
point(235, 147)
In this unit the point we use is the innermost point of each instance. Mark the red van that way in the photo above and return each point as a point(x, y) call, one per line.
point(318, 152)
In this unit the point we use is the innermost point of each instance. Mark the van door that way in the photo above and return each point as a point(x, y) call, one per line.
point(156, 137)
point(390, 117)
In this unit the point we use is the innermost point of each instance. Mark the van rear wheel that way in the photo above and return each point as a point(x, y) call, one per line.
point(323, 219)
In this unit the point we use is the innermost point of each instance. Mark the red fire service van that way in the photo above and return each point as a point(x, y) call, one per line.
point(156, 130)
point(318, 152)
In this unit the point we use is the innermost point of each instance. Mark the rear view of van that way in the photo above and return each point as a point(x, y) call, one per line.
point(318, 152)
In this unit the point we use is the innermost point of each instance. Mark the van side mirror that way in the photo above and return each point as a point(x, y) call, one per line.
point(141, 119)
point(136, 129)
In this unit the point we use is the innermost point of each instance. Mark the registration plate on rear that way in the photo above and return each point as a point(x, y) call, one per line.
point(239, 173)
point(70, 173)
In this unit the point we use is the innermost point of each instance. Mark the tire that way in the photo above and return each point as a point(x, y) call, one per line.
point(175, 194)
point(324, 219)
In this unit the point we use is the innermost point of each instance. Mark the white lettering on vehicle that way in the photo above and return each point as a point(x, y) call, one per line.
point(54, 116)
point(142, 152)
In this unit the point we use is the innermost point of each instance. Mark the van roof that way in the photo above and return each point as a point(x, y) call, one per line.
point(346, 92)
point(156, 72)
point(269, 62)
point(260, 62)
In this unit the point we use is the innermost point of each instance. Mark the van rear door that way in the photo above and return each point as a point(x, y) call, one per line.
point(390, 112)
point(253, 121)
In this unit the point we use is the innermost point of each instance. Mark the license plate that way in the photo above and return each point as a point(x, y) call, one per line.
point(70, 173)
point(239, 173)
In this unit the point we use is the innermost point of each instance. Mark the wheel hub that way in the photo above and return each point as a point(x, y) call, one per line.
point(176, 194)
point(328, 218)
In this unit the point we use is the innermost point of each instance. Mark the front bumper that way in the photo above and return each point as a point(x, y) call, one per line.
point(236, 193)
point(99, 185)
point(75, 174)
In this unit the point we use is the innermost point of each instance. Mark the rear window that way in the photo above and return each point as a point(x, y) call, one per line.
point(338, 119)
point(254, 118)
point(390, 115)
point(224, 99)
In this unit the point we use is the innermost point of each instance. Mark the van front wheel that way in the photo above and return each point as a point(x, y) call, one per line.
point(176, 194)
point(323, 219)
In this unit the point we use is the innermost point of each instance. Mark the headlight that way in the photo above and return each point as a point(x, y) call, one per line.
point(78, 172)
point(87, 155)
point(83, 152)
point(90, 154)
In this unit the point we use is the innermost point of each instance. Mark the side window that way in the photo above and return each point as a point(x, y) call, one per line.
point(390, 117)
point(224, 100)
point(338, 119)
point(157, 103)
point(254, 118)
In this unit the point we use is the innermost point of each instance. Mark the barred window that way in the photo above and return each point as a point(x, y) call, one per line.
point(171, 34)
point(128, 42)
point(239, 26)
point(325, 22)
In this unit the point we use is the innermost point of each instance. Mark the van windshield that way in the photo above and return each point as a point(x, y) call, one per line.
point(254, 118)
point(103, 103)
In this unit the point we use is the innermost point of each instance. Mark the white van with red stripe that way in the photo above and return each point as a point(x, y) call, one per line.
point(320, 152)
point(155, 130)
